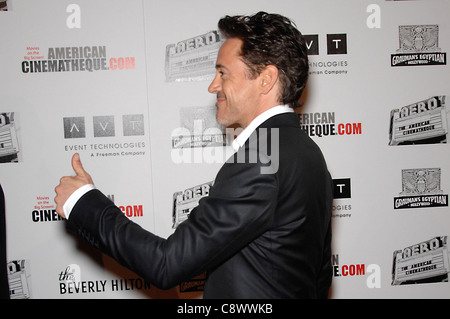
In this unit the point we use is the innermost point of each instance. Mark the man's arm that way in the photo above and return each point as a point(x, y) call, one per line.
point(239, 209)
point(71, 188)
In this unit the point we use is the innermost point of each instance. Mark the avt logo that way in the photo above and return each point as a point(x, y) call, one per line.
point(103, 126)
point(335, 62)
point(336, 43)
point(342, 188)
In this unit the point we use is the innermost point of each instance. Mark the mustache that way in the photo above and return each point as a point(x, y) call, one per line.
point(221, 95)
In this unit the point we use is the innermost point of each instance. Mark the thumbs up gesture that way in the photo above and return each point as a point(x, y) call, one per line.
point(69, 184)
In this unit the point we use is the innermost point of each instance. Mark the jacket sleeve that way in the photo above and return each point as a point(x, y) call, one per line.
point(239, 208)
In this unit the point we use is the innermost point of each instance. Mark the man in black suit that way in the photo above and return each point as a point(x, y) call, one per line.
point(4, 281)
point(264, 231)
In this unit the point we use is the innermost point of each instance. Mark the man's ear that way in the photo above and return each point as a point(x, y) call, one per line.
point(268, 78)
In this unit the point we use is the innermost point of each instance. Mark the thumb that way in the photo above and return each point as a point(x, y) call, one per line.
point(77, 166)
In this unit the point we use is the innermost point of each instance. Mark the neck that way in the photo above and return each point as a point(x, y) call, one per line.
point(258, 111)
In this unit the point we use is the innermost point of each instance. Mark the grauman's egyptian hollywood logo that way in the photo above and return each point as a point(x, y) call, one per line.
point(421, 187)
point(418, 46)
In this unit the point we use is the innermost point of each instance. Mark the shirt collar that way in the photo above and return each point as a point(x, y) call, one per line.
point(257, 121)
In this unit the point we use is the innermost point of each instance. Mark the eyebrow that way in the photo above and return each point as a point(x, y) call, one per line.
point(221, 66)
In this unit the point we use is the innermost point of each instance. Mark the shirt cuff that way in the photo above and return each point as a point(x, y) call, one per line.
point(73, 199)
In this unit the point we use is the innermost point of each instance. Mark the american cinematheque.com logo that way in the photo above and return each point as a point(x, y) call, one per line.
point(72, 59)
point(418, 45)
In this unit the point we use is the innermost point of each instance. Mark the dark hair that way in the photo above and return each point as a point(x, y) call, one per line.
point(271, 39)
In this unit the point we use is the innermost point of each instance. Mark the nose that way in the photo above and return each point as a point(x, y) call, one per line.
point(214, 87)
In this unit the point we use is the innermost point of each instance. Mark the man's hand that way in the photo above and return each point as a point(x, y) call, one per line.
point(69, 184)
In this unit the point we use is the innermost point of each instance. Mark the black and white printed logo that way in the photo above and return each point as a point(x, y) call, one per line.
point(75, 127)
point(336, 43)
point(418, 46)
point(421, 187)
point(336, 46)
point(312, 43)
point(111, 140)
point(342, 192)
point(198, 128)
point(104, 126)
point(342, 188)
point(193, 59)
point(19, 277)
point(9, 138)
point(421, 263)
point(423, 122)
point(185, 201)
point(133, 124)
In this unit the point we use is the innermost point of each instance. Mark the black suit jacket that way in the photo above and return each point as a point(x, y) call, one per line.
point(257, 235)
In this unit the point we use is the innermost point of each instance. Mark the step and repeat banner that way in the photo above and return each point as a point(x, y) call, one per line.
point(124, 83)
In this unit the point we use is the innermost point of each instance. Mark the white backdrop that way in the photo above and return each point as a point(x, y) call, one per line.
point(114, 80)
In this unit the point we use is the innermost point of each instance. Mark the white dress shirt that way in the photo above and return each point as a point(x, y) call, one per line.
point(237, 143)
point(257, 121)
point(73, 199)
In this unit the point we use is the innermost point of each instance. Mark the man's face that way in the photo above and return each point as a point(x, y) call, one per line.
point(237, 94)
